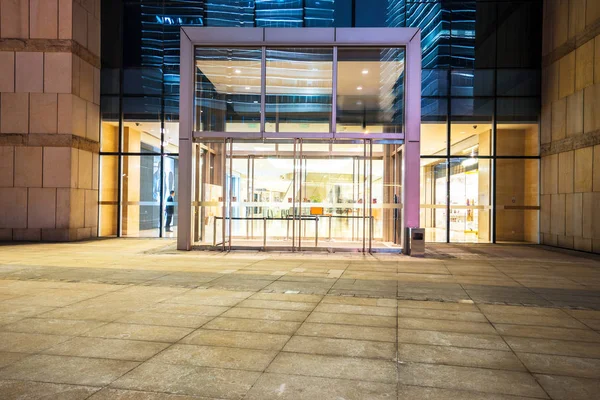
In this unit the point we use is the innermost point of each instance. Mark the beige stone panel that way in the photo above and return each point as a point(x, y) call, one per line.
point(65, 19)
point(559, 119)
point(59, 235)
point(93, 122)
point(97, 8)
point(29, 72)
point(84, 233)
point(95, 168)
point(596, 169)
point(582, 244)
point(560, 22)
point(584, 71)
point(85, 169)
point(583, 169)
point(569, 214)
point(79, 116)
point(545, 215)
point(7, 66)
point(28, 167)
point(65, 113)
point(96, 86)
point(63, 208)
point(591, 108)
point(549, 239)
point(553, 81)
point(14, 113)
point(13, 207)
point(565, 241)
point(5, 234)
point(43, 16)
point(88, 5)
point(566, 83)
point(27, 235)
point(41, 208)
point(91, 208)
point(575, 113)
point(546, 124)
point(93, 34)
point(7, 160)
point(57, 167)
point(14, 19)
point(565, 172)
point(587, 212)
point(58, 72)
point(43, 113)
point(79, 24)
point(75, 68)
point(597, 59)
point(575, 215)
point(557, 224)
point(74, 167)
point(77, 208)
point(550, 174)
point(592, 12)
point(86, 81)
point(576, 17)
point(596, 216)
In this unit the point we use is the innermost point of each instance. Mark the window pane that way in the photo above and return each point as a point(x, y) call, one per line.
point(463, 34)
point(471, 83)
point(518, 109)
point(434, 21)
point(471, 139)
point(434, 196)
point(517, 200)
point(518, 82)
point(434, 138)
point(470, 202)
point(434, 82)
point(517, 140)
point(141, 124)
point(109, 195)
point(299, 90)
point(228, 85)
point(370, 90)
point(109, 132)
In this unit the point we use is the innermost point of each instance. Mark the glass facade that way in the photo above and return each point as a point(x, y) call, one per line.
point(480, 102)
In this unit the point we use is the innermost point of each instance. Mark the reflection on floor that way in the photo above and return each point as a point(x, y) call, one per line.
point(305, 243)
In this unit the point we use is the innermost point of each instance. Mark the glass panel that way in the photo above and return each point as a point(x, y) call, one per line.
point(518, 109)
point(463, 34)
point(517, 200)
point(228, 85)
point(141, 124)
point(434, 138)
point(170, 191)
point(370, 90)
point(470, 202)
point(433, 109)
point(208, 194)
point(472, 139)
point(109, 132)
point(299, 87)
point(471, 83)
point(434, 193)
point(518, 82)
point(109, 195)
point(434, 82)
point(141, 180)
point(519, 34)
point(434, 20)
point(517, 140)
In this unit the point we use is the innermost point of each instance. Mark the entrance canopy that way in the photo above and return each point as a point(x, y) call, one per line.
point(273, 85)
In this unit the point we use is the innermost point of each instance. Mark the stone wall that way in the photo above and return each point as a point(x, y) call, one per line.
point(49, 119)
point(570, 128)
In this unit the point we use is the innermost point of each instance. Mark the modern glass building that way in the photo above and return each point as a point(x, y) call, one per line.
point(480, 111)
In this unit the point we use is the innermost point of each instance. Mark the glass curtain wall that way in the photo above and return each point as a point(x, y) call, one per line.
point(480, 104)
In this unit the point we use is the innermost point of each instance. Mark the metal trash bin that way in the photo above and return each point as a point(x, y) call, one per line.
point(415, 242)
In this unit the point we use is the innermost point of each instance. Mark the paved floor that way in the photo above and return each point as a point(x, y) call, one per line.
point(134, 319)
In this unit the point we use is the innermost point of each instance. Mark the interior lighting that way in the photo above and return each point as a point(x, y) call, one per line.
point(247, 87)
point(359, 88)
point(238, 71)
point(365, 71)
point(468, 162)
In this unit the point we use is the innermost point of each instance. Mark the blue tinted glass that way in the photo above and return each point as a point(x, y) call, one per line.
point(518, 82)
point(433, 109)
point(463, 34)
point(470, 83)
point(434, 82)
point(434, 21)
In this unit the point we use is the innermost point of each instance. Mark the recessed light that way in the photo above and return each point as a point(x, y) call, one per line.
point(247, 87)
point(365, 71)
point(359, 88)
point(255, 101)
point(238, 71)
point(359, 103)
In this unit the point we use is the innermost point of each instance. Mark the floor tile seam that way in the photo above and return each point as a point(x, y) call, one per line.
point(549, 338)
point(523, 370)
point(341, 356)
point(54, 383)
point(209, 367)
point(332, 377)
point(130, 339)
point(585, 328)
point(239, 305)
point(230, 346)
point(445, 346)
point(354, 325)
point(471, 391)
point(80, 357)
point(337, 337)
point(461, 333)
point(559, 355)
point(536, 374)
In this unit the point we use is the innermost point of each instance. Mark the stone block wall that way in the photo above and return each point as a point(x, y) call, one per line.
point(570, 126)
point(49, 119)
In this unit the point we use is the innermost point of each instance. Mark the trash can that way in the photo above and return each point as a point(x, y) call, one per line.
point(415, 242)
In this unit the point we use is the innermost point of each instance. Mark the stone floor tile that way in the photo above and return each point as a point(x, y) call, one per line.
point(584, 314)
point(356, 309)
point(7, 358)
point(153, 333)
point(52, 326)
point(118, 394)
point(520, 310)
point(359, 301)
point(22, 310)
point(592, 323)
point(253, 325)
point(406, 392)
point(165, 319)
point(9, 319)
point(341, 347)
point(70, 370)
point(445, 325)
point(348, 332)
point(437, 305)
point(40, 390)
point(189, 380)
point(28, 342)
point(193, 309)
point(277, 305)
point(216, 357)
point(534, 320)
point(552, 346)
point(334, 367)
point(460, 356)
point(246, 340)
point(115, 349)
point(548, 332)
point(301, 287)
point(470, 340)
point(470, 379)
point(304, 298)
point(561, 365)
point(268, 314)
point(441, 314)
point(352, 319)
point(273, 386)
point(569, 388)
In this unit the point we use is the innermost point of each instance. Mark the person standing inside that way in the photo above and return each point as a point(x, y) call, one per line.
point(170, 210)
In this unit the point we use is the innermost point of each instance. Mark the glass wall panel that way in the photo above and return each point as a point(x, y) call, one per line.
point(299, 90)
point(109, 195)
point(228, 85)
point(434, 195)
point(141, 124)
point(471, 139)
point(434, 138)
point(517, 139)
point(469, 83)
point(141, 194)
point(370, 90)
point(517, 200)
point(109, 130)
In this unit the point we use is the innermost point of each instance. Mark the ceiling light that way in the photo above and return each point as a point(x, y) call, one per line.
point(238, 71)
point(365, 71)
point(359, 88)
point(255, 101)
point(468, 162)
point(359, 103)
point(247, 87)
